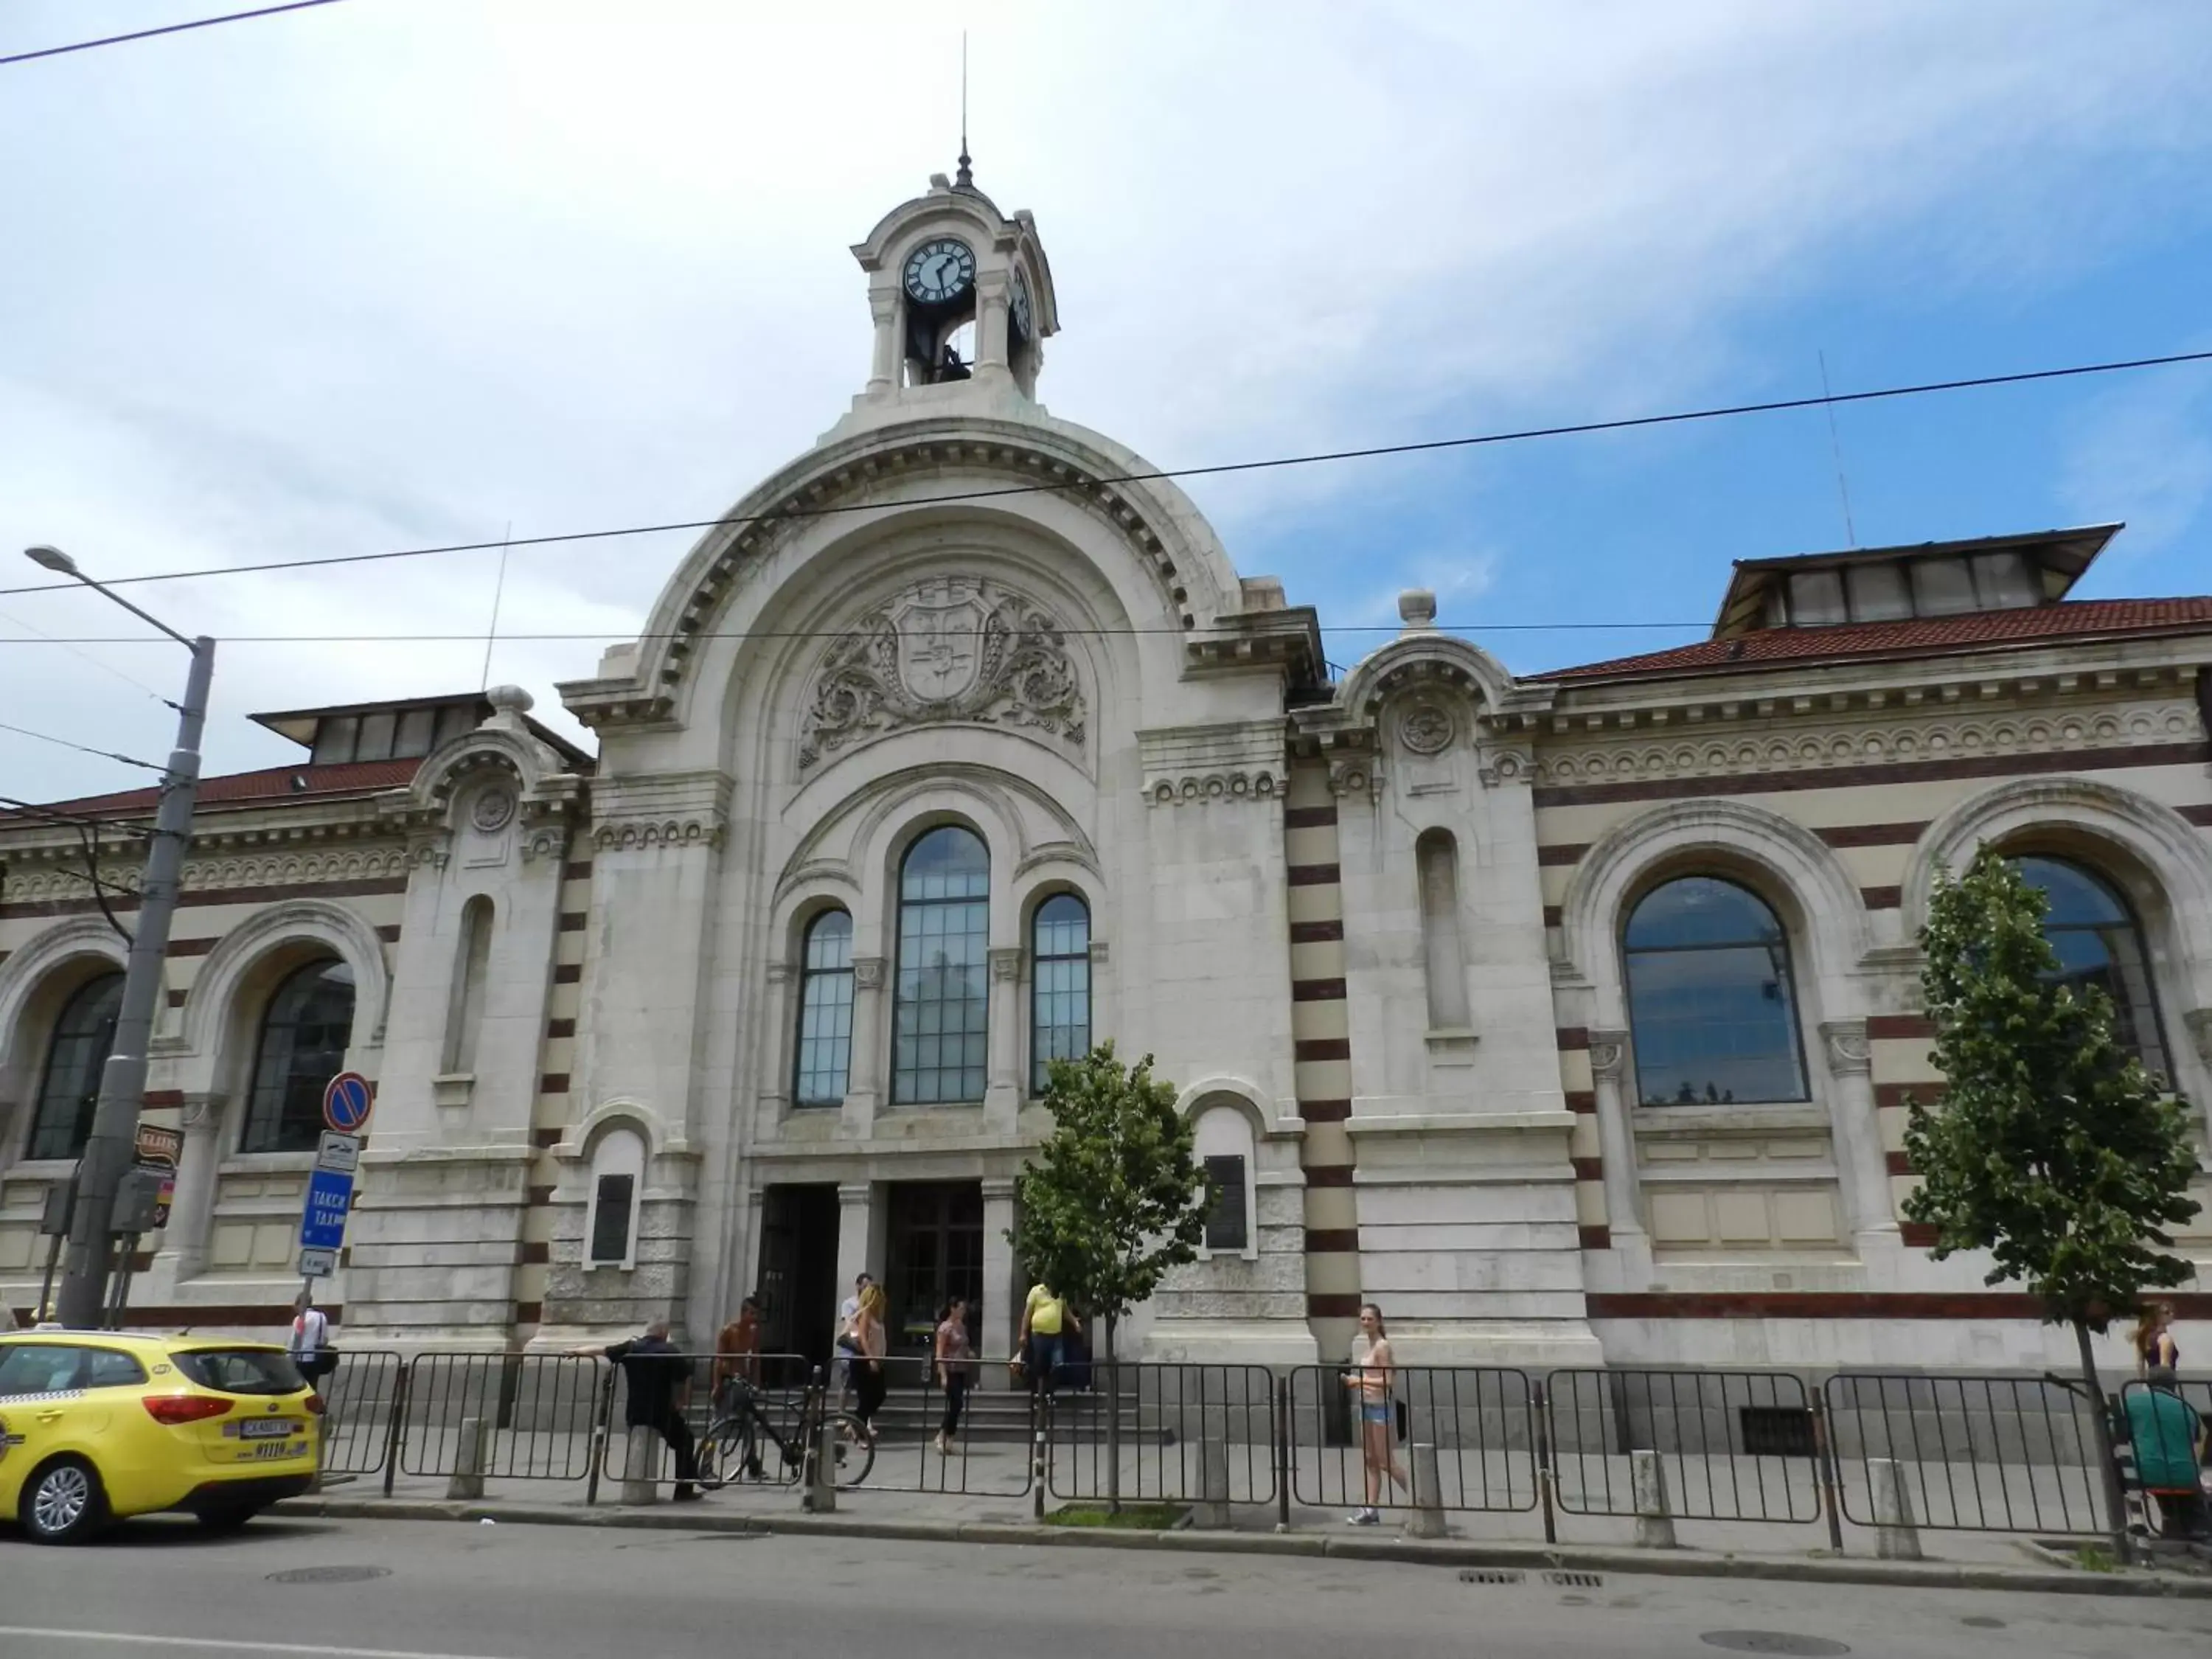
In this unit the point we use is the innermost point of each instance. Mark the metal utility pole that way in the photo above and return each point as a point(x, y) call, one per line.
point(111, 1148)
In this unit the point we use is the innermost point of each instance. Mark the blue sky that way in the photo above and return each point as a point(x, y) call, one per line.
point(397, 271)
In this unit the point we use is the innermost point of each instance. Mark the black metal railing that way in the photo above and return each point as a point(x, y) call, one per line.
point(536, 1413)
point(1732, 1445)
point(1981, 1453)
point(1352, 1434)
point(1175, 1433)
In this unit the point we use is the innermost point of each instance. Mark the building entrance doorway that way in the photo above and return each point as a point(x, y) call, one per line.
point(798, 1286)
point(935, 1253)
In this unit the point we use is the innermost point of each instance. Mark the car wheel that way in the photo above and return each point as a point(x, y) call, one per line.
point(229, 1518)
point(63, 1502)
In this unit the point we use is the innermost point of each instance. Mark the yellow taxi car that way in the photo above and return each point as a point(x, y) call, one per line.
point(95, 1426)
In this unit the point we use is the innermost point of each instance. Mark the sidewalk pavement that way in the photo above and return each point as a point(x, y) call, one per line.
point(1003, 1513)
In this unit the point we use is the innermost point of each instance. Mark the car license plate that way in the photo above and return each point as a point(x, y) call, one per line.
point(266, 1428)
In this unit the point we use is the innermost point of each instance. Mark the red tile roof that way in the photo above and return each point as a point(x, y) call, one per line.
point(252, 788)
point(1910, 637)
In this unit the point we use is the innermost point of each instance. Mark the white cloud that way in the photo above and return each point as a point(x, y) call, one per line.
point(2143, 452)
point(382, 274)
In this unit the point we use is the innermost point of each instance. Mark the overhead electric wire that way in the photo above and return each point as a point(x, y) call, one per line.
point(82, 749)
point(167, 28)
point(31, 809)
point(830, 633)
point(1419, 446)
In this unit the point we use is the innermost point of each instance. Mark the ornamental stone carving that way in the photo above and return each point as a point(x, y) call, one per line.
point(1608, 1048)
point(1425, 729)
point(950, 648)
point(492, 808)
point(868, 973)
point(1846, 1042)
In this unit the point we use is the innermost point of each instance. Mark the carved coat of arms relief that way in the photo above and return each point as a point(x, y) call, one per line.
point(950, 648)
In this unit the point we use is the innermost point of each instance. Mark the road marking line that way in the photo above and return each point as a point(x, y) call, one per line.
point(231, 1645)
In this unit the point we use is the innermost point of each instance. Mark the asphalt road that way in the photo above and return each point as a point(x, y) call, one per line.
point(471, 1591)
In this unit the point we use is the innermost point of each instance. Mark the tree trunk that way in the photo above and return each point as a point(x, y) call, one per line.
point(1113, 1423)
point(2107, 1463)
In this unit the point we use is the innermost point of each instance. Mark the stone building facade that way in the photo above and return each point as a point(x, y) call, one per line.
point(1571, 1017)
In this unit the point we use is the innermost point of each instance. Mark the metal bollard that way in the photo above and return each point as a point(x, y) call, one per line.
point(1646, 1482)
point(1897, 1535)
point(472, 1458)
point(1212, 1509)
point(1427, 1520)
point(821, 1495)
point(640, 1462)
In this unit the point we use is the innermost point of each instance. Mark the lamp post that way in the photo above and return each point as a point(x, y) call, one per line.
point(110, 1150)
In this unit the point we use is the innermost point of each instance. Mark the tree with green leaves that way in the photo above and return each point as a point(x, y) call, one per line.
point(1114, 1200)
point(2050, 1147)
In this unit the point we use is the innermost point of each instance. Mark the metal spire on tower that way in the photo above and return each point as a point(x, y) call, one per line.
point(965, 178)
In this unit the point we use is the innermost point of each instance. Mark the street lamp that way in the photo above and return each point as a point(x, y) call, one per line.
point(110, 1150)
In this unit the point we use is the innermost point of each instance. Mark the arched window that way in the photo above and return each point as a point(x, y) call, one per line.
point(942, 999)
point(825, 1012)
point(1435, 859)
point(70, 1088)
point(1710, 1008)
point(1059, 998)
point(2094, 933)
point(304, 1033)
point(617, 1190)
point(464, 1014)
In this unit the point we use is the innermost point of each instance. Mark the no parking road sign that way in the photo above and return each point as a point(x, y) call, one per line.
point(347, 1102)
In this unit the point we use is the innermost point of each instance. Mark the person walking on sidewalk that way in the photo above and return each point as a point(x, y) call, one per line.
point(659, 1382)
point(1369, 1381)
point(956, 1369)
point(310, 1341)
point(869, 1344)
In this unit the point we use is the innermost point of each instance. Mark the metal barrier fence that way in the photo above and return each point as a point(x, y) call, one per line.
point(536, 1411)
point(1166, 1433)
point(1734, 1445)
point(983, 1448)
point(1977, 1454)
point(1481, 1420)
point(360, 1399)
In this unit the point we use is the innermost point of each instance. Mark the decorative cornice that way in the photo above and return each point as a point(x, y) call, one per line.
point(1240, 760)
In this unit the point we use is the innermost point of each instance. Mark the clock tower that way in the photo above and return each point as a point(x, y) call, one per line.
point(961, 298)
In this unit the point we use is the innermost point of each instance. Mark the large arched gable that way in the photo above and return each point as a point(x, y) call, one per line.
point(999, 462)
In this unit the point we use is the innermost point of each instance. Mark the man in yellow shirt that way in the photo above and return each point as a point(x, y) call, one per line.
point(1046, 1321)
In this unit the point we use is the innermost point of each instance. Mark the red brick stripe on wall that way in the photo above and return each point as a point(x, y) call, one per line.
point(1325, 1111)
point(1555, 915)
point(567, 973)
point(1315, 875)
point(529, 1313)
point(1334, 1304)
point(1862, 777)
point(389, 932)
point(581, 870)
point(537, 1254)
point(553, 1083)
point(1322, 1049)
point(1331, 1240)
point(545, 1137)
point(1315, 933)
point(1872, 835)
point(1900, 1026)
point(2198, 815)
point(1329, 1174)
point(1309, 818)
point(560, 1028)
point(161, 1099)
point(573, 922)
point(1898, 1162)
point(1564, 853)
point(1951, 1305)
point(192, 947)
point(1881, 898)
point(1920, 1235)
point(536, 1196)
point(1316, 990)
point(1588, 1168)
point(1571, 1037)
point(1595, 1239)
point(1582, 1100)
point(120, 903)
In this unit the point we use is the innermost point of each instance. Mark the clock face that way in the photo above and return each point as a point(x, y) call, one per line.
point(1021, 304)
point(939, 270)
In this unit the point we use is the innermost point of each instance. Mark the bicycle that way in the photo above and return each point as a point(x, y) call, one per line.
point(731, 1449)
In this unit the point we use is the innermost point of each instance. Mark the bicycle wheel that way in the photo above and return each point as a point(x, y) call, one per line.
point(856, 1452)
point(721, 1453)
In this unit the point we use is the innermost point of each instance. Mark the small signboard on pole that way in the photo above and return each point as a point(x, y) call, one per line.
point(340, 1154)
